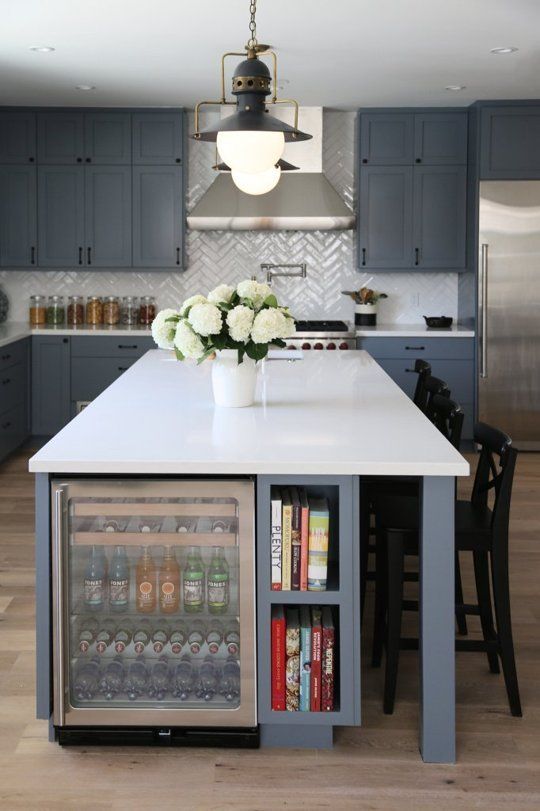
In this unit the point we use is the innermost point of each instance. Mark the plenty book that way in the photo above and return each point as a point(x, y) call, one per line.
point(276, 536)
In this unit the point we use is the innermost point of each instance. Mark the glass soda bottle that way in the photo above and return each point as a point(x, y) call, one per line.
point(123, 635)
point(183, 678)
point(218, 582)
point(112, 679)
point(178, 637)
point(232, 639)
point(142, 635)
point(136, 679)
point(146, 583)
point(86, 679)
point(194, 581)
point(88, 628)
point(105, 635)
point(207, 682)
point(159, 679)
point(214, 636)
point(161, 635)
point(169, 583)
point(95, 580)
point(229, 685)
point(119, 580)
point(196, 636)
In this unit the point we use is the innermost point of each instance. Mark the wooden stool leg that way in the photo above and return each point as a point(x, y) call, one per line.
point(381, 598)
point(501, 598)
point(461, 618)
point(393, 626)
point(481, 574)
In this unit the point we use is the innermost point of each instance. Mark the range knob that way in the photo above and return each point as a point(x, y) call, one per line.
point(291, 346)
point(331, 345)
point(318, 346)
point(344, 345)
point(306, 345)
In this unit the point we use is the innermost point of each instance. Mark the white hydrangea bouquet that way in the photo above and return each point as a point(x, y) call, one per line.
point(235, 325)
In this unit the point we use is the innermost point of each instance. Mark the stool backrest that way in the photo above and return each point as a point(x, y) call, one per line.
point(495, 472)
point(433, 386)
point(423, 370)
point(448, 416)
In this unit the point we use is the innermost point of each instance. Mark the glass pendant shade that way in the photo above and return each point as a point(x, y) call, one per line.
point(258, 182)
point(250, 151)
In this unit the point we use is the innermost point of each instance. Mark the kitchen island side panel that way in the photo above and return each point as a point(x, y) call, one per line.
point(43, 597)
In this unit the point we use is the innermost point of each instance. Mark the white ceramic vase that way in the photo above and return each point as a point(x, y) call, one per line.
point(233, 383)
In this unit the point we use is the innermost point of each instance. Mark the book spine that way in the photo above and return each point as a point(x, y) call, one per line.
point(292, 669)
point(286, 548)
point(295, 548)
point(318, 554)
point(305, 668)
point(327, 670)
point(304, 545)
point(276, 544)
point(278, 663)
point(316, 642)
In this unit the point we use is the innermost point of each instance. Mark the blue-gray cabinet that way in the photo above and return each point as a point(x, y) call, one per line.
point(18, 216)
point(14, 395)
point(107, 138)
point(510, 142)
point(386, 138)
point(393, 138)
point(440, 138)
point(158, 216)
point(385, 221)
point(60, 137)
point(157, 138)
point(17, 137)
point(51, 372)
point(439, 216)
point(61, 216)
point(77, 137)
point(107, 206)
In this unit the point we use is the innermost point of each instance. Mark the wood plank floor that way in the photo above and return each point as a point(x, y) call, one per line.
point(373, 767)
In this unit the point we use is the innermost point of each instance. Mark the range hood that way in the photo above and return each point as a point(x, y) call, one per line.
point(303, 200)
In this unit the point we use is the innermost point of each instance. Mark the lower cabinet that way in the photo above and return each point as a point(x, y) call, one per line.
point(50, 384)
point(14, 395)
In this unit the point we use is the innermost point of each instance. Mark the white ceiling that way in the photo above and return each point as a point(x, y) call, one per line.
point(336, 53)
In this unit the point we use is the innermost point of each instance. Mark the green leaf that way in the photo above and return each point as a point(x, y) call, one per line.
point(173, 318)
point(178, 354)
point(271, 301)
point(256, 351)
point(279, 342)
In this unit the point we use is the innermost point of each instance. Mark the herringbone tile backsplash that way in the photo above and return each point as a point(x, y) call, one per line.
point(224, 256)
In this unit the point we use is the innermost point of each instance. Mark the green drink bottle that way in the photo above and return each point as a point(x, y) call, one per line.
point(193, 581)
point(218, 582)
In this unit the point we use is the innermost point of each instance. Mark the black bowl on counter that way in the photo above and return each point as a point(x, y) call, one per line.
point(438, 321)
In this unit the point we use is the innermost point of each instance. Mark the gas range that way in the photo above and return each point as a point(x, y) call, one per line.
point(322, 335)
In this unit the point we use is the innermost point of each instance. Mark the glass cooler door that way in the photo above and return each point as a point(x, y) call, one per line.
point(154, 618)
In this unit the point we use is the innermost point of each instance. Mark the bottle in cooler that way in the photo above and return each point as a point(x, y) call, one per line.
point(160, 635)
point(87, 631)
point(169, 583)
point(193, 581)
point(197, 635)
point(119, 580)
point(142, 635)
point(112, 679)
point(146, 579)
point(86, 679)
point(214, 635)
point(178, 637)
point(123, 634)
point(159, 679)
point(208, 679)
point(229, 685)
point(95, 577)
point(137, 679)
point(218, 582)
point(105, 635)
point(183, 678)
point(232, 638)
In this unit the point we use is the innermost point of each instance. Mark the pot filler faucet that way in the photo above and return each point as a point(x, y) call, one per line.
point(298, 271)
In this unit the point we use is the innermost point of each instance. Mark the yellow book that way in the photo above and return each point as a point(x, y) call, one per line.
point(286, 548)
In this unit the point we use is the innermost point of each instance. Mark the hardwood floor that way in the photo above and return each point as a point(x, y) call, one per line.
point(376, 766)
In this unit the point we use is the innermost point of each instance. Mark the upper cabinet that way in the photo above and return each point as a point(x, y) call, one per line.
point(401, 139)
point(17, 137)
point(157, 216)
point(18, 223)
point(60, 138)
point(157, 138)
point(510, 143)
point(67, 138)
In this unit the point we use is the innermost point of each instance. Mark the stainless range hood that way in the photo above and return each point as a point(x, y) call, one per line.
point(302, 201)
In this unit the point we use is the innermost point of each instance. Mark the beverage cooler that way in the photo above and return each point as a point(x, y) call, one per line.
point(154, 609)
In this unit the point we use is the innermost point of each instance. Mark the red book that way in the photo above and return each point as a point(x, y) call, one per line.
point(295, 540)
point(304, 539)
point(278, 657)
point(316, 654)
point(328, 661)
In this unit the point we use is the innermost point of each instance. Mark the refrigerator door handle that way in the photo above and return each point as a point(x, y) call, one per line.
point(483, 305)
point(59, 696)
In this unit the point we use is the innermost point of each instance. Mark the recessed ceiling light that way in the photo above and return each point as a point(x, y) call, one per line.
point(85, 87)
point(508, 49)
point(42, 49)
point(455, 87)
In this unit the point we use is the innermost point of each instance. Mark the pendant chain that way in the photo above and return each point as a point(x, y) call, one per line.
point(252, 41)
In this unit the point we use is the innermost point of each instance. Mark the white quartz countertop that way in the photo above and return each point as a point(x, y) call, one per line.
point(338, 414)
point(14, 331)
point(413, 331)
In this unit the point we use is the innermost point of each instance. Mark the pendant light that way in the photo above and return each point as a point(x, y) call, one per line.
point(251, 141)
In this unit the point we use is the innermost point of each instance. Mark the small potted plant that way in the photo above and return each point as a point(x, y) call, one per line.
point(365, 311)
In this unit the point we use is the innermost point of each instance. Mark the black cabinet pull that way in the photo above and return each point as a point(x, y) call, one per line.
point(415, 349)
point(31, 160)
point(416, 256)
point(364, 160)
point(65, 340)
point(123, 368)
point(363, 256)
point(418, 160)
point(178, 160)
point(79, 160)
point(33, 255)
point(6, 357)
point(409, 370)
point(6, 381)
point(178, 256)
point(6, 425)
point(128, 346)
point(89, 256)
point(80, 256)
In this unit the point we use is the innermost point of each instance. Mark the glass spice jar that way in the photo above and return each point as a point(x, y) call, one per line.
point(37, 311)
point(94, 310)
point(147, 310)
point(75, 311)
point(111, 310)
point(130, 310)
point(56, 312)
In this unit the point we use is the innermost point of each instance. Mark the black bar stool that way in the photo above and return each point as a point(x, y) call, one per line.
point(423, 369)
point(479, 529)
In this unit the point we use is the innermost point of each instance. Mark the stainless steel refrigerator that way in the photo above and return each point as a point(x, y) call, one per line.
point(509, 309)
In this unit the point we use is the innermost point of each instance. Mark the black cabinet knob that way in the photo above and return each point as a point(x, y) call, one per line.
point(178, 160)
point(364, 160)
point(31, 160)
point(79, 160)
point(65, 340)
point(418, 160)
point(88, 160)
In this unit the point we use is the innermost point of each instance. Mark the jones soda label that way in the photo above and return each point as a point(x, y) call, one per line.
point(93, 591)
point(193, 592)
point(218, 593)
point(118, 592)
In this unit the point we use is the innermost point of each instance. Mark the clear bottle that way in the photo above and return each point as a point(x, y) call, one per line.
point(218, 582)
point(111, 310)
point(86, 679)
point(56, 312)
point(147, 310)
point(183, 680)
point(229, 685)
point(169, 583)
point(159, 679)
point(112, 679)
point(87, 631)
point(130, 311)
point(75, 311)
point(146, 578)
point(161, 635)
point(232, 638)
point(95, 577)
point(208, 680)
point(105, 635)
point(193, 581)
point(119, 580)
point(142, 635)
point(123, 634)
point(197, 635)
point(178, 637)
point(94, 310)
point(137, 679)
point(214, 635)
point(38, 311)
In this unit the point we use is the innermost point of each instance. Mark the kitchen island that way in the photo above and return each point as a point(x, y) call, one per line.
point(321, 421)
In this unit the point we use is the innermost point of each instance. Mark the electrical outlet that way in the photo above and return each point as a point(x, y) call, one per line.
point(415, 299)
